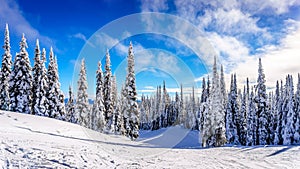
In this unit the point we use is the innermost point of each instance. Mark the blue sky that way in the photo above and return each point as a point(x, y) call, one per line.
point(237, 32)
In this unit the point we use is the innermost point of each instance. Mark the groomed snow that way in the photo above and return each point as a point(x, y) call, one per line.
point(29, 141)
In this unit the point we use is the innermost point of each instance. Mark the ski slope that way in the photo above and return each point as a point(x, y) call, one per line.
point(28, 141)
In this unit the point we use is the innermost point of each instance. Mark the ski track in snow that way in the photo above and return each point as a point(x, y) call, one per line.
point(38, 142)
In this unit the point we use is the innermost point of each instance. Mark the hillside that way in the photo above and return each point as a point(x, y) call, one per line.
point(37, 142)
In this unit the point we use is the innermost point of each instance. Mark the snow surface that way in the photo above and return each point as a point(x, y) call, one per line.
point(28, 141)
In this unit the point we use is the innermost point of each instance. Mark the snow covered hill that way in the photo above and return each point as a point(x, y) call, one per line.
point(37, 142)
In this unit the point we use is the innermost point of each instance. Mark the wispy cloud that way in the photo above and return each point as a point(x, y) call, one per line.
point(82, 37)
point(238, 36)
point(278, 61)
point(10, 13)
point(154, 5)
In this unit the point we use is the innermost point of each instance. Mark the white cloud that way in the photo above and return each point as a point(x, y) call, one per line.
point(230, 49)
point(278, 61)
point(157, 59)
point(154, 5)
point(11, 14)
point(229, 23)
point(149, 87)
point(278, 7)
point(83, 37)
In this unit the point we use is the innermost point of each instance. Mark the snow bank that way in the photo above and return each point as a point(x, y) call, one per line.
point(29, 141)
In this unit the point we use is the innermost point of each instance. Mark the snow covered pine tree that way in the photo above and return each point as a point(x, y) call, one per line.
point(133, 113)
point(70, 108)
point(39, 84)
point(98, 107)
point(82, 104)
point(5, 72)
point(107, 94)
point(20, 81)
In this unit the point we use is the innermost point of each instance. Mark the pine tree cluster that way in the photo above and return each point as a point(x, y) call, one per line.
point(30, 90)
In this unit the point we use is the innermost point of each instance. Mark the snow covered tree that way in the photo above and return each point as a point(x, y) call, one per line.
point(132, 110)
point(123, 110)
point(5, 72)
point(289, 129)
point(232, 112)
point(203, 107)
point(70, 108)
point(54, 95)
point(243, 118)
point(214, 126)
point(40, 86)
point(176, 109)
point(143, 116)
point(61, 102)
point(204, 92)
point(20, 81)
point(156, 123)
point(36, 75)
point(251, 121)
point(208, 87)
point(272, 118)
point(297, 113)
point(165, 106)
point(278, 140)
point(261, 101)
point(116, 114)
point(82, 104)
point(223, 88)
point(98, 108)
point(181, 107)
point(107, 93)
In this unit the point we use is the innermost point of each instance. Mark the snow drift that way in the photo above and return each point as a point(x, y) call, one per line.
point(29, 141)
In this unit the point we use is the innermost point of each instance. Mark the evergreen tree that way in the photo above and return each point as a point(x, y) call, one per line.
point(61, 102)
point(116, 114)
point(214, 132)
point(36, 75)
point(165, 106)
point(181, 107)
point(40, 86)
point(271, 117)
point(232, 111)
point(203, 104)
point(223, 88)
point(20, 81)
point(261, 100)
point(123, 110)
point(82, 104)
point(289, 129)
point(251, 121)
point(143, 116)
point(107, 93)
point(54, 95)
point(208, 87)
point(243, 118)
point(70, 108)
point(204, 92)
point(98, 109)
point(132, 110)
point(297, 113)
point(277, 115)
point(5, 72)
point(280, 94)
point(176, 108)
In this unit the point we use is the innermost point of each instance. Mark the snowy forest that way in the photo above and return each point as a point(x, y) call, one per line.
point(248, 116)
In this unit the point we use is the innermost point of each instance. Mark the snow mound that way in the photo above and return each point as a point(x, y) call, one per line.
point(171, 137)
point(29, 141)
